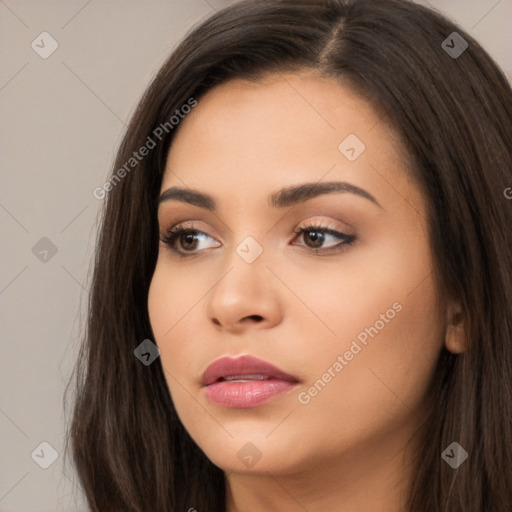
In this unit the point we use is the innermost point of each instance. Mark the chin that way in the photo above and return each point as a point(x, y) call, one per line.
point(252, 456)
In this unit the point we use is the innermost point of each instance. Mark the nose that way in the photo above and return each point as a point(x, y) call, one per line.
point(245, 298)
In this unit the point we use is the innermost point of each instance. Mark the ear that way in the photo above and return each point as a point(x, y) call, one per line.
point(455, 336)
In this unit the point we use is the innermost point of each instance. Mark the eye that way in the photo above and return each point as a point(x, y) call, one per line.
point(316, 236)
point(191, 240)
point(184, 240)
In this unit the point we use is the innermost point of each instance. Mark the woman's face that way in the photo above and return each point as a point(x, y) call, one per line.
point(350, 315)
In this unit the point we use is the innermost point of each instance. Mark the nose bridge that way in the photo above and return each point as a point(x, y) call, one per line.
point(248, 240)
point(245, 268)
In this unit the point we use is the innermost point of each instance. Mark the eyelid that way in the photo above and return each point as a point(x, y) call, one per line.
point(183, 227)
point(317, 222)
point(191, 225)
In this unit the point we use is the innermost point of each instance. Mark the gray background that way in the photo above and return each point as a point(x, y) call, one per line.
point(62, 119)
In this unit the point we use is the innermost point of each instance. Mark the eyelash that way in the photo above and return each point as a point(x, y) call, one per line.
point(175, 232)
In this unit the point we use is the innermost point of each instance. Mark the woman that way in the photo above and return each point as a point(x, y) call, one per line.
point(301, 297)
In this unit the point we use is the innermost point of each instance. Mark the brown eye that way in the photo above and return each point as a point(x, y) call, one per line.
point(188, 240)
point(185, 240)
point(314, 238)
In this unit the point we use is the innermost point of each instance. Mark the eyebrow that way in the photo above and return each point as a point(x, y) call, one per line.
point(286, 197)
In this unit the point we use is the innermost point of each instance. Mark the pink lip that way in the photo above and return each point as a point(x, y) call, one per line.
point(251, 393)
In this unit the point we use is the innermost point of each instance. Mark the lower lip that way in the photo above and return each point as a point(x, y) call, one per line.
point(247, 394)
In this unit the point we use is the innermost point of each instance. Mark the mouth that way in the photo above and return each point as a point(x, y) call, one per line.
point(245, 381)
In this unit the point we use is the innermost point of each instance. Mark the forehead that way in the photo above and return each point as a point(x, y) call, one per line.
point(282, 129)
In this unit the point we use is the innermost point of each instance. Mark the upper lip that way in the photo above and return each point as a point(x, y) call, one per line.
point(243, 365)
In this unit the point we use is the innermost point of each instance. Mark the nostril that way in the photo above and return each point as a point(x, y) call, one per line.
point(258, 318)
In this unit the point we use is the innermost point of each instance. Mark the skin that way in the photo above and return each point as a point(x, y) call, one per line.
point(347, 449)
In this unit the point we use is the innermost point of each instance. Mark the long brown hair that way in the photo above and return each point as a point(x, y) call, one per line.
point(454, 114)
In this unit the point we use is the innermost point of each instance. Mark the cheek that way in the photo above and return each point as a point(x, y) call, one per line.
point(176, 302)
point(386, 325)
point(159, 304)
point(389, 334)
point(168, 303)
